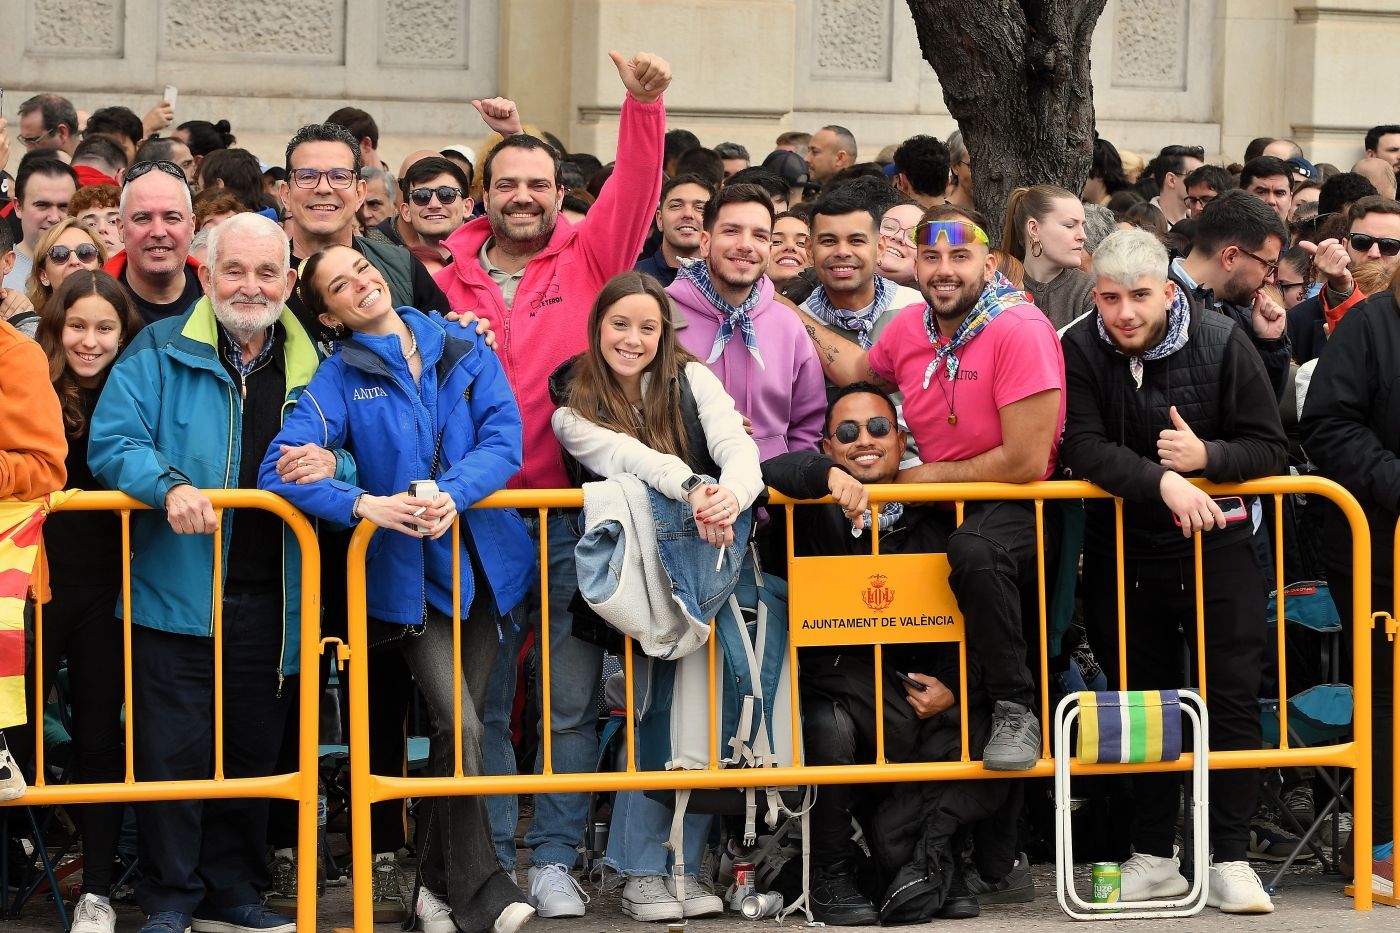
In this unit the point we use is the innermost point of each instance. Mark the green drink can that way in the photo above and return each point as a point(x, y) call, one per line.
point(1107, 883)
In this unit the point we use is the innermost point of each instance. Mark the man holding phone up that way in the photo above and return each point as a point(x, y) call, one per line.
point(1159, 390)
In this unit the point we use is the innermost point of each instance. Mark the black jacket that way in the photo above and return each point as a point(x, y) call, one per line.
point(1219, 387)
point(1306, 336)
point(1274, 353)
point(1351, 424)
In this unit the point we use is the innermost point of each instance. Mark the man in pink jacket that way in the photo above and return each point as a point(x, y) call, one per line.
point(534, 275)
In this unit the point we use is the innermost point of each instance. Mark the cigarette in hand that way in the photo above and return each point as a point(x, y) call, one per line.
point(719, 563)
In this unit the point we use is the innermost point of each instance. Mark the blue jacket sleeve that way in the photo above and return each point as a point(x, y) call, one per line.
point(122, 452)
point(476, 473)
point(318, 417)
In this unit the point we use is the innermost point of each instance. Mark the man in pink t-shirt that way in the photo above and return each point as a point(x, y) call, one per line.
point(983, 379)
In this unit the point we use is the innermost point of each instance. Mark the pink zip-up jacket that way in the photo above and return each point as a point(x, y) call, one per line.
point(547, 322)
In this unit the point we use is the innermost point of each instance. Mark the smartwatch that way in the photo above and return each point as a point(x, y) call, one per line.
point(689, 485)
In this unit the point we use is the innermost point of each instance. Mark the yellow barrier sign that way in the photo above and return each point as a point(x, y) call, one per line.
point(884, 599)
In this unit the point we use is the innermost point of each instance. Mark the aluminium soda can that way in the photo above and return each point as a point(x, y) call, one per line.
point(762, 906)
point(1107, 883)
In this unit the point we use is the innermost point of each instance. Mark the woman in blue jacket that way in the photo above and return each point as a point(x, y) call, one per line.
point(410, 402)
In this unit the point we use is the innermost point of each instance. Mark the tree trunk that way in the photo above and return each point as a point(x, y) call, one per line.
point(1015, 75)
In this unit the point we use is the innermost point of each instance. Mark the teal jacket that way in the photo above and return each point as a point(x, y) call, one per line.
point(171, 414)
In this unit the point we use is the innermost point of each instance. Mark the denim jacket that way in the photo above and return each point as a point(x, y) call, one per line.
point(662, 596)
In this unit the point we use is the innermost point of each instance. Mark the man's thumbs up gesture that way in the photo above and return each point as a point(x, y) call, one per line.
point(1179, 448)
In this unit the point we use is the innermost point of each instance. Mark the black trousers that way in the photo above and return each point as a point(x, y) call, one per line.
point(1382, 689)
point(207, 853)
point(838, 728)
point(992, 556)
point(80, 623)
point(1161, 618)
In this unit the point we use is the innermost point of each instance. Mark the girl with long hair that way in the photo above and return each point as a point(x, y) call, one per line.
point(82, 329)
point(636, 402)
point(1045, 231)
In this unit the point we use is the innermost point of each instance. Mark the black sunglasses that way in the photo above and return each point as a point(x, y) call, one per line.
point(141, 168)
point(1362, 243)
point(847, 431)
point(446, 194)
point(59, 253)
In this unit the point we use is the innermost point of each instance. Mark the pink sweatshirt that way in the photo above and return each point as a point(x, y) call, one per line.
point(547, 322)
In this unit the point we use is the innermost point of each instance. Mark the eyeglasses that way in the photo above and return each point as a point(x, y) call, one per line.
point(1362, 243)
point(952, 232)
point(446, 194)
point(31, 141)
point(1270, 265)
point(141, 168)
point(847, 431)
point(1285, 286)
point(891, 228)
point(59, 254)
point(1194, 203)
point(335, 177)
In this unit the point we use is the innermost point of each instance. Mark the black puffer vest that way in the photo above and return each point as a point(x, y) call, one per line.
point(1133, 417)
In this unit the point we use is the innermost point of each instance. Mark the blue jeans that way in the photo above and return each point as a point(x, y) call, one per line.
point(638, 833)
point(557, 829)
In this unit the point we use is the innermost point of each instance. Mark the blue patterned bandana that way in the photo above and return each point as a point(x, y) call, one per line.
point(698, 274)
point(1178, 327)
point(861, 323)
point(890, 514)
point(999, 295)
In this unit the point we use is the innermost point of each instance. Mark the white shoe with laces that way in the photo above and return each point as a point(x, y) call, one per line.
point(12, 786)
point(1151, 878)
point(649, 898)
point(1235, 888)
point(432, 913)
point(515, 916)
point(93, 915)
point(554, 892)
point(698, 902)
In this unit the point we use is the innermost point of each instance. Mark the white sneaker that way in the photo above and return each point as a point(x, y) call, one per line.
point(1236, 889)
point(554, 892)
point(432, 913)
point(698, 902)
point(1151, 878)
point(650, 898)
point(514, 917)
point(12, 786)
point(91, 915)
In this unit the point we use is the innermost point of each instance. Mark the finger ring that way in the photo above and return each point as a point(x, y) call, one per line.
point(301, 461)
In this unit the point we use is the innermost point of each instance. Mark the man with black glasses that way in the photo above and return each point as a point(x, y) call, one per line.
point(322, 194)
point(1238, 242)
point(1204, 185)
point(157, 224)
point(1169, 171)
point(48, 120)
point(1373, 235)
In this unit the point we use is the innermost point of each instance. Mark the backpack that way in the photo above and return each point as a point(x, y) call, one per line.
point(754, 690)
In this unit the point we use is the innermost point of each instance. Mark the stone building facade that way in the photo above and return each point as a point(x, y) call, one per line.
point(1211, 72)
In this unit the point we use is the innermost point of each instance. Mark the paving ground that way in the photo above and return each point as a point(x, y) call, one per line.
point(1307, 901)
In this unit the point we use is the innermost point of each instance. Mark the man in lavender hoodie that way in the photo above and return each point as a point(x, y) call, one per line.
point(749, 336)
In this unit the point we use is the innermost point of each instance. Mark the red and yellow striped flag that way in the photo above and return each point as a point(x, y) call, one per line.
point(19, 549)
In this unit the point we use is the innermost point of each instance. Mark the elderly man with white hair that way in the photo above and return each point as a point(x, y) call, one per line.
point(193, 404)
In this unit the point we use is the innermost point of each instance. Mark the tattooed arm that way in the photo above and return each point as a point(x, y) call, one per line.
point(843, 361)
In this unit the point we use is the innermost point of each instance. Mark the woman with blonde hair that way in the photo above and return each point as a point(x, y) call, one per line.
point(1045, 231)
point(64, 248)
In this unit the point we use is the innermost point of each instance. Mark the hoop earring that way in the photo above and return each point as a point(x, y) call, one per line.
point(338, 330)
point(1036, 248)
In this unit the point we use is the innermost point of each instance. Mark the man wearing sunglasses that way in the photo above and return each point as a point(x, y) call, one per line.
point(435, 203)
point(1239, 239)
point(157, 224)
point(1373, 233)
point(982, 375)
point(1160, 389)
point(862, 444)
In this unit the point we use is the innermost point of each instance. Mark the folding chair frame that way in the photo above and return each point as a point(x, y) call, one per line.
point(1066, 714)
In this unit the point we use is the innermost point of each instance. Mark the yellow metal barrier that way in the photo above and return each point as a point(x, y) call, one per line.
point(369, 788)
point(300, 786)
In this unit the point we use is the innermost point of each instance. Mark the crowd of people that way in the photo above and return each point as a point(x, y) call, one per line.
point(685, 328)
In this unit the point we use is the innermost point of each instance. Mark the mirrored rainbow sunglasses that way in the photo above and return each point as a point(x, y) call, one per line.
point(952, 232)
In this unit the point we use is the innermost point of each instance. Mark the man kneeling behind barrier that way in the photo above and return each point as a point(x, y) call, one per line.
point(879, 600)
